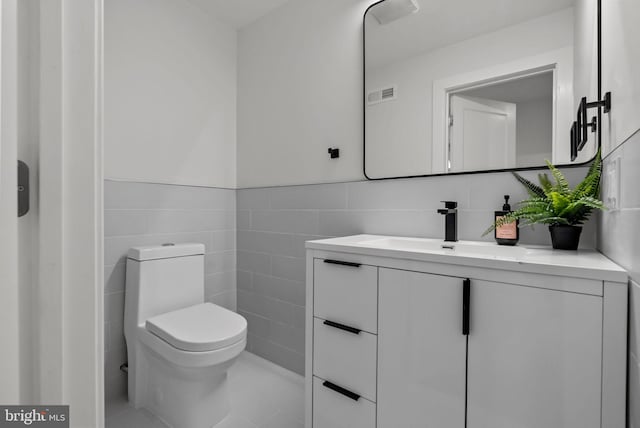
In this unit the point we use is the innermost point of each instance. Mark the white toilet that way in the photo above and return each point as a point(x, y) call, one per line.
point(179, 347)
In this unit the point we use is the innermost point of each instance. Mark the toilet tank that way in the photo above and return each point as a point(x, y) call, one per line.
point(162, 279)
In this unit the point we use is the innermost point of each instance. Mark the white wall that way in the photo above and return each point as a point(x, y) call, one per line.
point(619, 228)
point(585, 57)
point(534, 126)
point(300, 92)
point(585, 51)
point(170, 94)
point(405, 125)
point(620, 70)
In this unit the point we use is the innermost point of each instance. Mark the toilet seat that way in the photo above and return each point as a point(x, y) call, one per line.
point(188, 359)
point(199, 328)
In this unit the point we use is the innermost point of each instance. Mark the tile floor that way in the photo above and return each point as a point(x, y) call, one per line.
point(263, 395)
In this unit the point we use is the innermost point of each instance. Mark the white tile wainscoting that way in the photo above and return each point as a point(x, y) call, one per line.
point(618, 240)
point(273, 223)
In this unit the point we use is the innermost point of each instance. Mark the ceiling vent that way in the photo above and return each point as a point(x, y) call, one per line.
point(382, 95)
point(392, 10)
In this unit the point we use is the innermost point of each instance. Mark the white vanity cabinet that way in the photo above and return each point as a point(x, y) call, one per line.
point(422, 351)
point(531, 357)
point(344, 322)
point(404, 338)
point(534, 357)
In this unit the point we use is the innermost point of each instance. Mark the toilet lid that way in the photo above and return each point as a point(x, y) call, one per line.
point(202, 327)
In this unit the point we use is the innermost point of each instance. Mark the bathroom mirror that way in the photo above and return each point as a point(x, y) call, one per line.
point(458, 86)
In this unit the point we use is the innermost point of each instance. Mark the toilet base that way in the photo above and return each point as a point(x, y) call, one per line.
point(183, 397)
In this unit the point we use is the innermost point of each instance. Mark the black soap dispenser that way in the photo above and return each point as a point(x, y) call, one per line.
point(508, 233)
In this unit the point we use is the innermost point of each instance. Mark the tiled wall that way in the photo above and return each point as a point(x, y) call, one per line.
point(273, 224)
point(149, 214)
point(619, 239)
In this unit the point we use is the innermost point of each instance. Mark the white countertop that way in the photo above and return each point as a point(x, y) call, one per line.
point(522, 258)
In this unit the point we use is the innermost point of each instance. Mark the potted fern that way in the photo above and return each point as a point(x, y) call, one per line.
point(555, 204)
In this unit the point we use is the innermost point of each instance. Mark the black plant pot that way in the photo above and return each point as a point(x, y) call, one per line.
point(565, 237)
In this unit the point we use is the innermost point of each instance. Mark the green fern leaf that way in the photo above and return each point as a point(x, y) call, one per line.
point(559, 201)
point(533, 189)
point(546, 184)
point(590, 186)
point(562, 185)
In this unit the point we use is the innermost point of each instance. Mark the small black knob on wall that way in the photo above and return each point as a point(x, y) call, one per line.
point(334, 153)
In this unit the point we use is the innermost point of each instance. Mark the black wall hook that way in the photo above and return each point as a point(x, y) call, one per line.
point(334, 153)
point(605, 103)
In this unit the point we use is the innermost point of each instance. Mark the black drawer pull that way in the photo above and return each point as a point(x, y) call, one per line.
point(341, 263)
point(341, 390)
point(342, 327)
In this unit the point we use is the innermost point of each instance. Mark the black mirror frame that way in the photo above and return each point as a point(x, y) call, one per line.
point(488, 171)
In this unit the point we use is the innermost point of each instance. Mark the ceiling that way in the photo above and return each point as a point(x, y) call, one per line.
point(239, 13)
point(441, 23)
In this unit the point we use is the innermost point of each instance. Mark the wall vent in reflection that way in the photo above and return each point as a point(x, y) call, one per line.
point(382, 95)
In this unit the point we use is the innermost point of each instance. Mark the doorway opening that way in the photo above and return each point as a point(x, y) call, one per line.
point(502, 123)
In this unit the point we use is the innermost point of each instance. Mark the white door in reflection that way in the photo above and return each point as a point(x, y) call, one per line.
point(482, 134)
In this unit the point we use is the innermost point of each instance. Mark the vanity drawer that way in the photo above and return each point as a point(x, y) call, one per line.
point(346, 293)
point(345, 357)
point(332, 409)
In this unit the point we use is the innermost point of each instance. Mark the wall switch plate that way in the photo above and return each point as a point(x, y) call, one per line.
point(612, 190)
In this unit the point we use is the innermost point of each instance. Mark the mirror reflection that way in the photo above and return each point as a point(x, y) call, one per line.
point(516, 115)
point(473, 85)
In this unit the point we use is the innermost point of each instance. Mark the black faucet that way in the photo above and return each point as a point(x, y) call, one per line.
point(450, 213)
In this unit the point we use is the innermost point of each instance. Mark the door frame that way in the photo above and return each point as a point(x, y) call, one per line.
point(457, 151)
point(560, 61)
point(70, 292)
point(9, 291)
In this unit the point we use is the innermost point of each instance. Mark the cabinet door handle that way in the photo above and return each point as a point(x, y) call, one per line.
point(466, 303)
point(342, 327)
point(341, 390)
point(341, 263)
point(23, 188)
